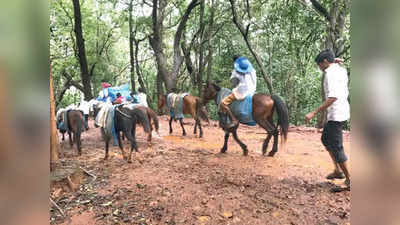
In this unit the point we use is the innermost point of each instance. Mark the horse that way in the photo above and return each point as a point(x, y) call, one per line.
point(76, 125)
point(263, 108)
point(152, 117)
point(191, 105)
point(125, 121)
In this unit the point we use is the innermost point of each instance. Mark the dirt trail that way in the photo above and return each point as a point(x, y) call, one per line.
point(184, 180)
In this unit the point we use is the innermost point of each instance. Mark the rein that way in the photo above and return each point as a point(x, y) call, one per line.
point(124, 114)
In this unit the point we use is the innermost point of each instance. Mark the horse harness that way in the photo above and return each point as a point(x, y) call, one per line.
point(124, 114)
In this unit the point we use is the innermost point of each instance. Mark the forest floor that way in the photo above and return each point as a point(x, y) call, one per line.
point(185, 180)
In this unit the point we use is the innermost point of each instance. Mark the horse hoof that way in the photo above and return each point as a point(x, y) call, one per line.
point(129, 161)
point(245, 153)
point(271, 154)
point(223, 150)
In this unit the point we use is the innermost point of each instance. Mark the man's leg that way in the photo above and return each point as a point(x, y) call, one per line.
point(345, 170)
point(327, 142)
point(337, 173)
point(224, 107)
point(335, 137)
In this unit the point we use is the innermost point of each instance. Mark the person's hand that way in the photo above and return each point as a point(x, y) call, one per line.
point(339, 60)
point(309, 116)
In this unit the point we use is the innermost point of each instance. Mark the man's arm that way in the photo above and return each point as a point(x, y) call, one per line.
point(322, 107)
point(234, 82)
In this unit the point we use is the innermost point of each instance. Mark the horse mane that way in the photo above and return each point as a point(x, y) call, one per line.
point(142, 118)
point(218, 88)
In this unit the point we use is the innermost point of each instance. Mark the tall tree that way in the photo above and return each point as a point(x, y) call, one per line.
point(335, 20)
point(80, 42)
point(209, 37)
point(169, 77)
point(201, 53)
point(245, 32)
point(131, 54)
point(53, 129)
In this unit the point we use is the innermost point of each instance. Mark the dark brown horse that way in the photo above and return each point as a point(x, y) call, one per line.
point(125, 121)
point(191, 105)
point(153, 120)
point(263, 108)
point(76, 126)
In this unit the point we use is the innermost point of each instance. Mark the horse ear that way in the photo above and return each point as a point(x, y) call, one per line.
point(217, 88)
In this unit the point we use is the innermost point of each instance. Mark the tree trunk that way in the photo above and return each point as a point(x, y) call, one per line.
point(53, 129)
point(210, 47)
point(201, 53)
point(169, 77)
point(138, 73)
point(80, 42)
point(244, 33)
point(132, 59)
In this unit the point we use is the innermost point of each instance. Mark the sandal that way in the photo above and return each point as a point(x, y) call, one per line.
point(335, 175)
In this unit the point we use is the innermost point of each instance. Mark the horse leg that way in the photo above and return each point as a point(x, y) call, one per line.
point(195, 126)
point(268, 125)
point(107, 141)
point(225, 147)
point(265, 144)
point(70, 139)
point(131, 138)
point(183, 128)
point(107, 144)
point(201, 130)
point(120, 145)
point(63, 137)
point(242, 145)
point(170, 125)
point(275, 146)
point(77, 137)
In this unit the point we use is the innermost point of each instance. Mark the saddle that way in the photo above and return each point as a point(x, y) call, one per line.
point(242, 109)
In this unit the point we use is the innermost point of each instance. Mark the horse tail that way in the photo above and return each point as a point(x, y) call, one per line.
point(142, 118)
point(78, 118)
point(283, 115)
point(153, 116)
point(202, 113)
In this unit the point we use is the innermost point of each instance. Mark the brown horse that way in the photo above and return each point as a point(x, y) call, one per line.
point(76, 126)
point(191, 106)
point(263, 108)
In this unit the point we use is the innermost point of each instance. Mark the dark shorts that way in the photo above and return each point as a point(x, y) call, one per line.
point(332, 139)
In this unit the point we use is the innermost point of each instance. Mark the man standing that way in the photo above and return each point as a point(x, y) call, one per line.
point(244, 80)
point(338, 109)
point(142, 97)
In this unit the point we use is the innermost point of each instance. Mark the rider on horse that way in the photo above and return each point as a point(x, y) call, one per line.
point(244, 81)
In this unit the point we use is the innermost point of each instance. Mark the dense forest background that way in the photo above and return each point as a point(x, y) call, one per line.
point(160, 45)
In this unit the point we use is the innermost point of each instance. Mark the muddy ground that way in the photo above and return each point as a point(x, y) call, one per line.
point(184, 180)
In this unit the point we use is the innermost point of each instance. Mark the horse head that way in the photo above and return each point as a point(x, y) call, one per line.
point(210, 91)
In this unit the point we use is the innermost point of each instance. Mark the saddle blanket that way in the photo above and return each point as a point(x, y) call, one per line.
point(174, 104)
point(105, 120)
point(242, 110)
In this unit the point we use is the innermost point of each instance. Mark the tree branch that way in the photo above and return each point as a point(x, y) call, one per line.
point(178, 35)
point(322, 10)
